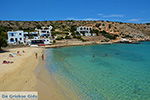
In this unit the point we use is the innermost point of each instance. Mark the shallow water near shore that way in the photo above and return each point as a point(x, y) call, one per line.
point(103, 72)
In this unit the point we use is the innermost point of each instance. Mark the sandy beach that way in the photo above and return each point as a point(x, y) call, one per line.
point(19, 75)
point(27, 73)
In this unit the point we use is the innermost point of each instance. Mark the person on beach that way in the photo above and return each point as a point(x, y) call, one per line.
point(42, 56)
point(11, 55)
point(36, 55)
point(23, 51)
point(18, 53)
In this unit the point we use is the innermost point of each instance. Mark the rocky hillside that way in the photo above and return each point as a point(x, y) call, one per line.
point(116, 28)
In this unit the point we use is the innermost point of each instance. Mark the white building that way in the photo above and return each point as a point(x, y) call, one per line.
point(45, 32)
point(84, 31)
point(38, 41)
point(16, 37)
point(31, 35)
point(44, 36)
point(39, 36)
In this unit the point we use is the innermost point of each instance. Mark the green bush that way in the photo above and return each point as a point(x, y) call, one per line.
point(5, 29)
point(83, 40)
point(55, 33)
point(127, 36)
point(67, 37)
point(98, 25)
point(109, 36)
point(54, 41)
point(95, 31)
point(3, 39)
point(73, 28)
point(59, 38)
point(77, 37)
point(75, 34)
point(80, 38)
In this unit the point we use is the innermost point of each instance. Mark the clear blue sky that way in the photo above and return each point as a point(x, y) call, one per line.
point(135, 11)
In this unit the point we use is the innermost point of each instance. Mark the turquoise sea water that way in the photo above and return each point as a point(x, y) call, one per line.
point(103, 72)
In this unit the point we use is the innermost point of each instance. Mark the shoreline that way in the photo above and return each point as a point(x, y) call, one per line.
point(68, 43)
point(47, 86)
point(76, 44)
point(79, 43)
point(30, 74)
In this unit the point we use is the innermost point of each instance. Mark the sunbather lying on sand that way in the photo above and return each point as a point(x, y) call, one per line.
point(11, 55)
point(7, 62)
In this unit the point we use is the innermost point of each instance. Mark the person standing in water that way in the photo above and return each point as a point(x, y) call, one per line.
point(42, 56)
point(36, 55)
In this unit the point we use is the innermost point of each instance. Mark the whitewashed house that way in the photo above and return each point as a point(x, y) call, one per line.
point(84, 31)
point(39, 36)
point(31, 35)
point(44, 36)
point(45, 32)
point(16, 37)
point(38, 41)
